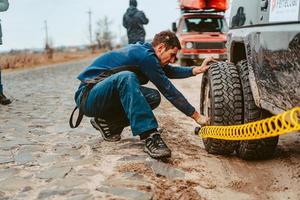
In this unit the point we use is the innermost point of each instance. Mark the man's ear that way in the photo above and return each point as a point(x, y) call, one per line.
point(161, 47)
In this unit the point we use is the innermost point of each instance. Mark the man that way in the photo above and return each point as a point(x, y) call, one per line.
point(111, 91)
point(133, 21)
point(3, 100)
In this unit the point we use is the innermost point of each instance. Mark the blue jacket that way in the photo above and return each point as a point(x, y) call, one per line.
point(144, 58)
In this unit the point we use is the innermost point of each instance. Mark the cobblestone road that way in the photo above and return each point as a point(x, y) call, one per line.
point(42, 158)
point(38, 151)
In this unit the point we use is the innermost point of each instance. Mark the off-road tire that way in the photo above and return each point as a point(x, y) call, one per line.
point(253, 149)
point(222, 86)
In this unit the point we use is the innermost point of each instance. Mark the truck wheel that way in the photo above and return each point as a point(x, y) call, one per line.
point(221, 100)
point(253, 149)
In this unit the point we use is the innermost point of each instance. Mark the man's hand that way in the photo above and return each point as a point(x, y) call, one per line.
point(204, 66)
point(200, 119)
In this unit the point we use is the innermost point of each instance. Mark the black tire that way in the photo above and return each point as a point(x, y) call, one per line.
point(221, 99)
point(253, 149)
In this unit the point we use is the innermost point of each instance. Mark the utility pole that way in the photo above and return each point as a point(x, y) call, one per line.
point(90, 24)
point(48, 49)
point(46, 34)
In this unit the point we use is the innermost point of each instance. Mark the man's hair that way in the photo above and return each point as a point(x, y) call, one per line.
point(168, 38)
point(133, 3)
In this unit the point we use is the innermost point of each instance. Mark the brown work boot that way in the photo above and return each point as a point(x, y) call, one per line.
point(109, 132)
point(4, 100)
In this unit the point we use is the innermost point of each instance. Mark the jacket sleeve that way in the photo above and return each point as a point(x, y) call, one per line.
point(176, 72)
point(143, 17)
point(4, 5)
point(152, 69)
point(125, 23)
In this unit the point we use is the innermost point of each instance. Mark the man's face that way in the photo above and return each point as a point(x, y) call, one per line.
point(166, 56)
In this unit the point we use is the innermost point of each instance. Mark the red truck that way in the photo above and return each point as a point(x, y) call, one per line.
point(201, 30)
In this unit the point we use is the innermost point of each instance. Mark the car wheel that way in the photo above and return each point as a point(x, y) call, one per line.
point(221, 100)
point(253, 149)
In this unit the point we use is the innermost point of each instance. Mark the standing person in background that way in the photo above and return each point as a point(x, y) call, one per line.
point(133, 21)
point(3, 100)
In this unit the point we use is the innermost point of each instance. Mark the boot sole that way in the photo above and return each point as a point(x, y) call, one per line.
point(95, 125)
point(5, 102)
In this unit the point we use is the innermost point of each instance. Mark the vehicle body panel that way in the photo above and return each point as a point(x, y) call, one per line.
point(271, 45)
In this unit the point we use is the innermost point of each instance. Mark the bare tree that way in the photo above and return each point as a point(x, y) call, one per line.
point(104, 35)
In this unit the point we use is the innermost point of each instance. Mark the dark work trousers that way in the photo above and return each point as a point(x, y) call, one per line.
point(120, 99)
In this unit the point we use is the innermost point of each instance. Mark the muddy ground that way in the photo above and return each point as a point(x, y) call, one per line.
point(42, 158)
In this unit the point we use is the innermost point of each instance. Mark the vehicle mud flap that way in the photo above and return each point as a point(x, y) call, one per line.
point(253, 149)
point(221, 100)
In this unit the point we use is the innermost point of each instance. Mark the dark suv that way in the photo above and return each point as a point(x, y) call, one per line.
point(262, 77)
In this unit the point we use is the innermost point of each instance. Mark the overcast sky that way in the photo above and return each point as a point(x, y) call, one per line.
point(23, 22)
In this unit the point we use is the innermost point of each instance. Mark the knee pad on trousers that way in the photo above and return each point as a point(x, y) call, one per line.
point(153, 98)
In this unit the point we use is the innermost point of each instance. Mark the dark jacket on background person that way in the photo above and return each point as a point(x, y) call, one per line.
point(3, 7)
point(133, 21)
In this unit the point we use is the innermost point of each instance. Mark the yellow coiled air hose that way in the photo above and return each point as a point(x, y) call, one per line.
point(269, 127)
